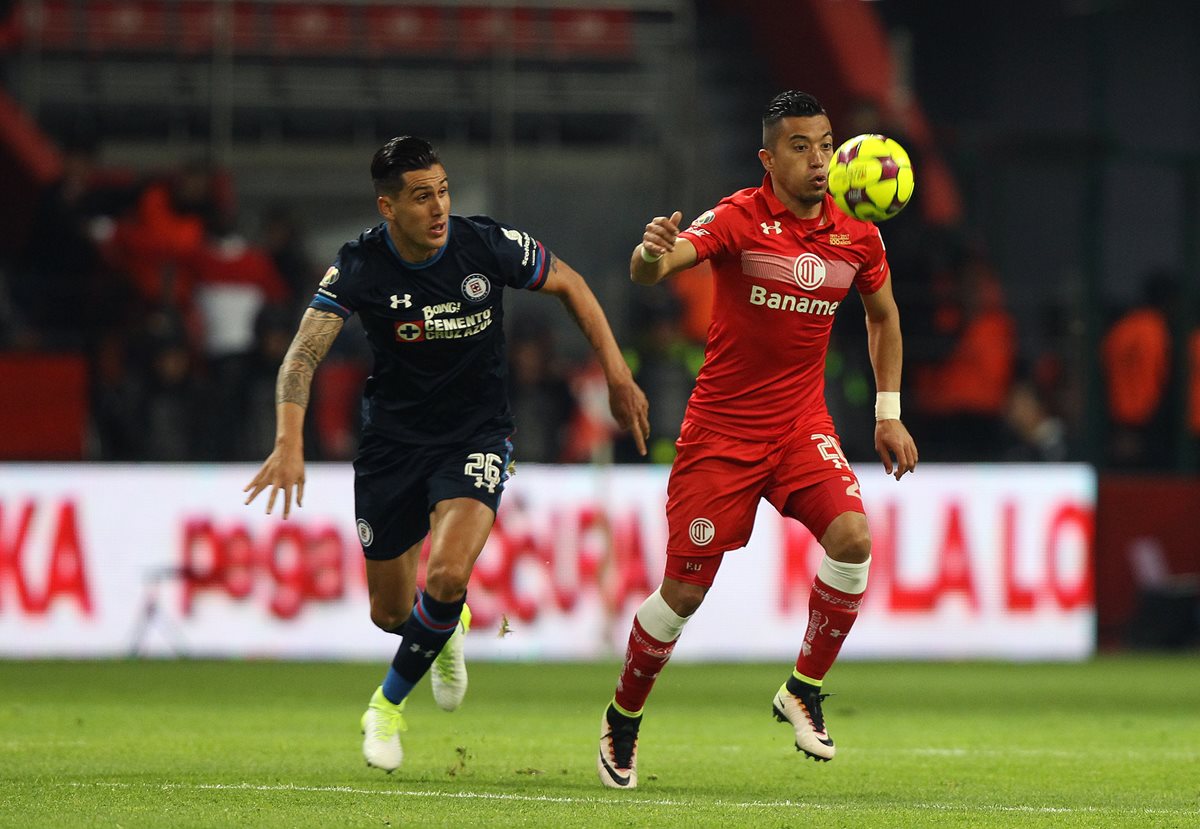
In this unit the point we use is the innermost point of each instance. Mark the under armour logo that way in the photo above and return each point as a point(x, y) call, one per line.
point(406, 300)
point(768, 229)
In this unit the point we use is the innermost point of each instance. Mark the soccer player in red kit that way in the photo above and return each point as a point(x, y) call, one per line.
point(784, 259)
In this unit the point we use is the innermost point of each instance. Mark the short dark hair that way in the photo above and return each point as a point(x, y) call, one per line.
point(397, 157)
point(790, 104)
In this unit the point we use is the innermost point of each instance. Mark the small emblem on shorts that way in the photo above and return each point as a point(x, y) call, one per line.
point(365, 534)
point(476, 287)
point(330, 277)
point(701, 531)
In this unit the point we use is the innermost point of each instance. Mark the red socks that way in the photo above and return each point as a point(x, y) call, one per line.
point(831, 614)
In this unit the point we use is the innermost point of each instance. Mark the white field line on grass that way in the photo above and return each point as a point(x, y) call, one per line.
point(35, 743)
point(1068, 754)
point(637, 801)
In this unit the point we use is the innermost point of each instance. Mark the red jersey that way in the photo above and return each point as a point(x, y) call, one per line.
point(778, 282)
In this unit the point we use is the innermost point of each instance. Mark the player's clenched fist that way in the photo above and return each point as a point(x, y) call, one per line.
point(661, 233)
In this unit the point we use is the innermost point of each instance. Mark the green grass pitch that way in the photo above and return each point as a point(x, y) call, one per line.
point(1111, 743)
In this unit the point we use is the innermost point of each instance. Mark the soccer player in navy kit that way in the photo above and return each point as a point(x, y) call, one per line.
point(435, 451)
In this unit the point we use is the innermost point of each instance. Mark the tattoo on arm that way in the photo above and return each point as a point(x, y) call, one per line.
point(310, 345)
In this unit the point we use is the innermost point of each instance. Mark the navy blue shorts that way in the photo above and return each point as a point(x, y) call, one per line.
point(396, 486)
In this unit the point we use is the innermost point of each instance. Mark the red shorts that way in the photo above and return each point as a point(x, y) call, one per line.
point(717, 481)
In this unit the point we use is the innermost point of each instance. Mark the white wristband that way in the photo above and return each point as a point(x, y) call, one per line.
point(650, 257)
point(887, 405)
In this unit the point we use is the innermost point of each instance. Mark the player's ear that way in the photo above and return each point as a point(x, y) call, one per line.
point(767, 159)
point(384, 205)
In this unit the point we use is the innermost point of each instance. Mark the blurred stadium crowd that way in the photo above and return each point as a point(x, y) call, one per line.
point(181, 309)
point(184, 316)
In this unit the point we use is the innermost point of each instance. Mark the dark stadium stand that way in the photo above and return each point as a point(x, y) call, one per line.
point(289, 68)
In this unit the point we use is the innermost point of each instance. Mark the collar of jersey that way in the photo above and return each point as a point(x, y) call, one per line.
point(416, 266)
point(778, 208)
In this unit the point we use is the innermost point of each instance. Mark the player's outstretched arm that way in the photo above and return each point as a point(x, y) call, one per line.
point(661, 252)
point(893, 443)
point(283, 470)
point(625, 398)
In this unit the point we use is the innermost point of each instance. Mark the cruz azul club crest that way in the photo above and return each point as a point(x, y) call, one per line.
point(476, 287)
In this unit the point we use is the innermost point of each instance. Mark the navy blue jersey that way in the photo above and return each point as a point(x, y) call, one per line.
point(436, 328)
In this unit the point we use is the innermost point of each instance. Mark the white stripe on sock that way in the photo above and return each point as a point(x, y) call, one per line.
point(658, 619)
point(843, 576)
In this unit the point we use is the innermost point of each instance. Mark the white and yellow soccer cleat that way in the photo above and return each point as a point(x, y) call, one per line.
point(382, 723)
point(804, 713)
point(617, 763)
point(448, 674)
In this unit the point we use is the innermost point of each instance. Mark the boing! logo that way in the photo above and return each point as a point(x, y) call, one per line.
point(809, 271)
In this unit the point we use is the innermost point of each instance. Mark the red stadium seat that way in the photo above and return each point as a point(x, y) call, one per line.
point(126, 26)
point(591, 33)
point(405, 30)
point(482, 32)
point(51, 24)
point(311, 29)
point(202, 21)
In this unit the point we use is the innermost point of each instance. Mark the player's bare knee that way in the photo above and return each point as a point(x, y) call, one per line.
point(447, 581)
point(852, 547)
point(683, 598)
point(848, 539)
point(388, 618)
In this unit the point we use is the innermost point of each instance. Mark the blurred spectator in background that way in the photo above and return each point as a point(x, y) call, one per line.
point(232, 282)
point(962, 399)
point(244, 390)
point(664, 363)
point(1135, 358)
point(591, 432)
point(1034, 434)
point(694, 290)
point(538, 392)
point(60, 285)
point(284, 240)
point(117, 393)
point(165, 230)
point(176, 404)
point(1056, 364)
point(337, 400)
point(850, 388)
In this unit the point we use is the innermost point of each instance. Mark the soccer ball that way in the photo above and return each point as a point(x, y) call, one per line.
point(871, 177)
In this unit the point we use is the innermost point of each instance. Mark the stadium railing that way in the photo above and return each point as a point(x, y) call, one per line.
point(134, 64)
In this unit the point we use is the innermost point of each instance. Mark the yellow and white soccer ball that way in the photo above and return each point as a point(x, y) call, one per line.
point(871, 177)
